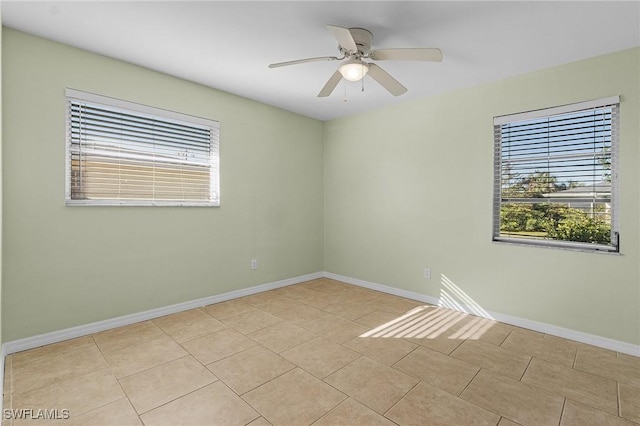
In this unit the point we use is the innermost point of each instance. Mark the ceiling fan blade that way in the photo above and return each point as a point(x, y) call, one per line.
point(384, 78)
point(302, 61)
point(416, 54)
point(331, 84)
point(344, 38)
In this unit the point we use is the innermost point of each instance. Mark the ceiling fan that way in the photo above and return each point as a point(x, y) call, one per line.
point(354, 45)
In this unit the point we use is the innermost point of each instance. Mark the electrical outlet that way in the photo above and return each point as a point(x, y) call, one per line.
point(427, 273)
point(254, 263)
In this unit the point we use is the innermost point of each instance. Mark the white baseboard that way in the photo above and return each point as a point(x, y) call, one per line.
point(95, 327)
point(578, 336)
point(83, 330)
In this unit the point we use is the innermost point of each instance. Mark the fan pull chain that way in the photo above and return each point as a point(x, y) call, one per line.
point(345, 91)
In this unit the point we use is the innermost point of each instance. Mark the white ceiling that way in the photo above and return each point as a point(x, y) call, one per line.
point(228, 45)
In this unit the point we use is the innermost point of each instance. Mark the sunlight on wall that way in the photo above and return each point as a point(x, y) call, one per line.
point(453, 297)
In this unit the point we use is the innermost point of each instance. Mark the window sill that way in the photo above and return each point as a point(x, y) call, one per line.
point(600, 249)
point(140, 203)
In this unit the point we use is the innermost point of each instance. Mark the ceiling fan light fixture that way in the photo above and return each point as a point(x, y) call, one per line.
point(354, 69)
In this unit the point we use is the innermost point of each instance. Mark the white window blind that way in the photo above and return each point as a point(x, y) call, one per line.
point(555, 176)
point(121, 153)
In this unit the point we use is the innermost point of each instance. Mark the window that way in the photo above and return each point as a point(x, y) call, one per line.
point(555, 176)
point(121, 153)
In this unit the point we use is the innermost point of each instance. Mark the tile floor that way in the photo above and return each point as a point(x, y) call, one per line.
point(323, 353)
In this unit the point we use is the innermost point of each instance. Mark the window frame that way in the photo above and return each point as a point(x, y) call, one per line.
point(614, 247)
point(72, 95)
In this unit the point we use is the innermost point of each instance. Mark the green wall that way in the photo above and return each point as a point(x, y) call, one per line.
point(69, 266)
point(377, 196)
point(410, 186)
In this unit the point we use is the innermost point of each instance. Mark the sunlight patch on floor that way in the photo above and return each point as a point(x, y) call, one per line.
point(457, 316)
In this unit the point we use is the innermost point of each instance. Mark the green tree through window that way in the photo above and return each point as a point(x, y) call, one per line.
point(555, 176)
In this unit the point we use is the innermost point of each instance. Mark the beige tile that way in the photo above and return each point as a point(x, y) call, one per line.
point(480, 329)
point(576, 414)
point(394, 304)
point(350, 413)
point(493, 358)
point(327, 286)
point(45, 371)
point(79, 394)
point(291, 310)
point(260, 298)
point(249, 369)
point(121, 337)
point(282, 336)
point(119, 413)
point(311, 284)
point(419, 322)
point(8, 373)
point(529, 332)
point(386, 351)
point(251, 321)
point(596, 350)
point(425, 404)
point(630, 402)
point(444, 372)
point(67, 374)
point(376, 319)
point(423, 325)
point(605, 363)
point(24, 357)
point(228, 309)
point(320, 356)
point(295, 292)
point(513, 399)
point(371, 383)
point(440, 343)
point(260, 421)
point(189, 325)
point(311, 398)
point(334, 328)
point(360, 294)
point(275, 305)
point(216, 346)
point(320, 300)
point(214, 404)
point(350, 310)
point(586, 388)
point(633, 361)
point(151, 388)
point(7, 392)
point(506, 422)
point(142, 356)
point(554, 349)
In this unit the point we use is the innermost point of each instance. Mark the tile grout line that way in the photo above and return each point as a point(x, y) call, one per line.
point(406, 355)
point(564, 404)
point(500, 416)
point(401, 398)
point(526, 368)
point(468, 384)
point(261, 384)
point(618, 400)
point(174, 399)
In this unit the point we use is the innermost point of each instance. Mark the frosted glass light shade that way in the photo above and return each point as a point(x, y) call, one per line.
point(354, 70)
